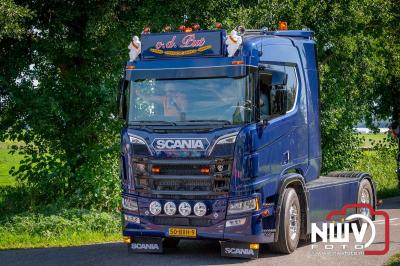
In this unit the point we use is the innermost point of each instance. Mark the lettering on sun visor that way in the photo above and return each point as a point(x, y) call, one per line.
point(182, 144)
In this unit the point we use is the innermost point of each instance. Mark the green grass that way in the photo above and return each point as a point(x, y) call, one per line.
point(59, 229)
point(370, 139)
point(382, 168)
point(380, 163)
point(6, 162)
point(393, 260)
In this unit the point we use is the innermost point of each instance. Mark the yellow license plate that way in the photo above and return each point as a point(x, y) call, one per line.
point(186, 232)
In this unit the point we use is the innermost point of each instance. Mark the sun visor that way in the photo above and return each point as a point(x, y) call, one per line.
point(188, 72)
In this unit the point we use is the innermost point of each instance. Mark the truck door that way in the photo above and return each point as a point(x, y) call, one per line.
point(283, 143)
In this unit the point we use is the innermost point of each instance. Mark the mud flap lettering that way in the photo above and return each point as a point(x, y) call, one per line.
point(146, 245)
point(238, 250)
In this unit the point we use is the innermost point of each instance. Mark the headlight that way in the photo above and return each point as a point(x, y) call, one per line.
point(227, 139)
point(129, 204)
point(136, 140)
point(155, 208)
point(242, 206)
point(184, 208)
point(200, 209)
point(170, 208)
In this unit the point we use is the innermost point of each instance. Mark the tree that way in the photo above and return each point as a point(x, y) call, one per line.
point(61, 62)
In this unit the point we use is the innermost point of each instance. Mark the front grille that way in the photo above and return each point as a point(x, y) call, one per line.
point(185, 169)
point(183, 185)
point(181, 221)
point(190, 179)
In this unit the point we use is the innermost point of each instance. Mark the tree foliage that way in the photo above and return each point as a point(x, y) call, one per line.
point(61, 61)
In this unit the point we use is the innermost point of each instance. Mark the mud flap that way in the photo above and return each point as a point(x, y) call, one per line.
point(239, 250)
point(146, 245)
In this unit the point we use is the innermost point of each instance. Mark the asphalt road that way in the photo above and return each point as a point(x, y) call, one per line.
point(208, 252)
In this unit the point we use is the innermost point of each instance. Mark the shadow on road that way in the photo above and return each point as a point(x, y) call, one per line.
point(189, 252)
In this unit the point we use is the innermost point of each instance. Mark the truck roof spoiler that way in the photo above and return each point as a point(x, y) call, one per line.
point(305, 33)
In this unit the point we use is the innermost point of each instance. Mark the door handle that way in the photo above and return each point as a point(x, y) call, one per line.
point(286, 157)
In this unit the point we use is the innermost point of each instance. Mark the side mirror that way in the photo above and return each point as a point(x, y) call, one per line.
point(121, 99)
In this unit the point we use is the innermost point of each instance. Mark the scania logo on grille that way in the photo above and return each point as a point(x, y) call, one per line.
point(173, 144)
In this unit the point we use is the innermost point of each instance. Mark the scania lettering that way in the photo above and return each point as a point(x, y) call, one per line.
point(239, 251)
point(172, 144)
point(222, 141)
point(145, 246)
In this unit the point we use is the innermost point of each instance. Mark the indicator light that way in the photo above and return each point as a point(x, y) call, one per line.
point(155, 169)
point(126, 239)
point(238, 62)
point(205, 170)
point(130, 67)
point(254, 246)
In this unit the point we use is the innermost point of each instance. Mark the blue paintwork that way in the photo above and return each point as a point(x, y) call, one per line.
point(260, 152)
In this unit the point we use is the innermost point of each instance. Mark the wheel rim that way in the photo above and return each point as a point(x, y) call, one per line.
point(365, 199)
point(293, 221)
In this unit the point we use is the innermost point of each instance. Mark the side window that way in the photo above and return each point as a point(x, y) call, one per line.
point(278, 90)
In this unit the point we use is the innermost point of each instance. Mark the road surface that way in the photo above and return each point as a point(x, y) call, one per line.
point(208, 252)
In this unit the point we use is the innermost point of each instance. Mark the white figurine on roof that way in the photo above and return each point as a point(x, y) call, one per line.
point(134, 48)
point(233, 41)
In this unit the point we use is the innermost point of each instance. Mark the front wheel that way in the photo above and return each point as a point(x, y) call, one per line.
point(289, 223)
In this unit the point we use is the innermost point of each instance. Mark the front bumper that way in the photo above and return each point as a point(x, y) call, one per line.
point(142, 223)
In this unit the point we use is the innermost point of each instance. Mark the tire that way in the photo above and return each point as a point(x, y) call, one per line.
point(365, 195)
point(171, 242)
point(289, 223)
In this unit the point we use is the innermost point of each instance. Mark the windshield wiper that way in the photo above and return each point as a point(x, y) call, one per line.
point(151, 122)
point(216, 121)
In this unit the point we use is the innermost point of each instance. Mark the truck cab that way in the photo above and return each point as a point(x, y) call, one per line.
point(226, 146)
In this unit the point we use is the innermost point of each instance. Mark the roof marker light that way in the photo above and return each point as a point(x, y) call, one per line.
point(282, 25)
point(188, 29)
point(181, 28)
point(167, 28)
point(196, 26)
point(218, 25)
point(146, 30)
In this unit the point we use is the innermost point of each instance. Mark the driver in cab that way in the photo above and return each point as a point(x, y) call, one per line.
point(173, 102)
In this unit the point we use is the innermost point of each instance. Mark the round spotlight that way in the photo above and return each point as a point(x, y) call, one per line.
point(184, 208)
point(170, 208)
point(220, 167)
point(200, 209)
point(155, 208)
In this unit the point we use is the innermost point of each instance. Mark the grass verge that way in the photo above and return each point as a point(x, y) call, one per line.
point(64, 228)
point(393, 260)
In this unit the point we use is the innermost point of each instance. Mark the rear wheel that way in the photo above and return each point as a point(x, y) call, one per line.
point(289, 223)
point(365, 196)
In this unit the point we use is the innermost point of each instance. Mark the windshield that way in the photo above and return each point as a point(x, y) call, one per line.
point(227, 100)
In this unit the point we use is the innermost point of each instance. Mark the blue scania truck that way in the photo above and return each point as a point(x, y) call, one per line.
point(222, 141)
